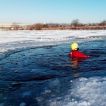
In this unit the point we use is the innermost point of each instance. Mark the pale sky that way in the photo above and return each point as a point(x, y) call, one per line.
point(52, 11)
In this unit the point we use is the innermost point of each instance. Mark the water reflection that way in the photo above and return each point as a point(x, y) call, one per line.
point(75, 65)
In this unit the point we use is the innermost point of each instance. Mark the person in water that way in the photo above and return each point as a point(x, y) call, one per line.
point(75, 53)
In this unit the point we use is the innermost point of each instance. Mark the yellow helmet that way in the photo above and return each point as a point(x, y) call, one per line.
point(74, 46)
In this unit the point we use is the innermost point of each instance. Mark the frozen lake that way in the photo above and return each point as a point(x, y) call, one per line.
point(35, 69)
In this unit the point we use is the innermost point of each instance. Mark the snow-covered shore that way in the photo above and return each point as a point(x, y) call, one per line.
point(10, 40)
point(47, 35)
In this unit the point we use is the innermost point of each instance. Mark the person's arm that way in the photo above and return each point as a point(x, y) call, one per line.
point(80, 54)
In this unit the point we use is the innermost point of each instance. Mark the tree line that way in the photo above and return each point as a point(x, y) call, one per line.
point(74, 25)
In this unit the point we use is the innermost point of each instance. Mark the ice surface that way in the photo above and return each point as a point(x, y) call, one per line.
point(85, 92)
point(82, 92)
point(10, 40)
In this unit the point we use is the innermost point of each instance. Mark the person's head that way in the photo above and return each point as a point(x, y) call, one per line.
point(74, 46)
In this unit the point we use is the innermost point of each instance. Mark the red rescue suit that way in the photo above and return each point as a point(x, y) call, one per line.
point(77, 54)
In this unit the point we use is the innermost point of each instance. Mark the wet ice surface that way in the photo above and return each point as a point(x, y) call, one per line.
point(46, 76)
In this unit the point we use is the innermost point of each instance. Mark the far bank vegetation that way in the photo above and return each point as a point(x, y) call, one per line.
point(74, 25)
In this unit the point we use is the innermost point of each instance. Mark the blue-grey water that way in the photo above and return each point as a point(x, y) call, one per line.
point(46, 76)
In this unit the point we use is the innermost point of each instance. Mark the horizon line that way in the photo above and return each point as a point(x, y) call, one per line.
point(1, 23)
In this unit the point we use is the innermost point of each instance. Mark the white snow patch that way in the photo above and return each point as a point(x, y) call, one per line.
point(85, 92)
point(11, 40)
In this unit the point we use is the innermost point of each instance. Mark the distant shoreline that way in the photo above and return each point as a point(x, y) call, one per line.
point(39, 26)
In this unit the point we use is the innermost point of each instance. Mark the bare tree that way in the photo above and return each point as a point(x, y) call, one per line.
point(75, 22)
point(15, 26)
point(103, 23)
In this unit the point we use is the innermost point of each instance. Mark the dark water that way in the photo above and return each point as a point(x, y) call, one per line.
point(35, 76)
